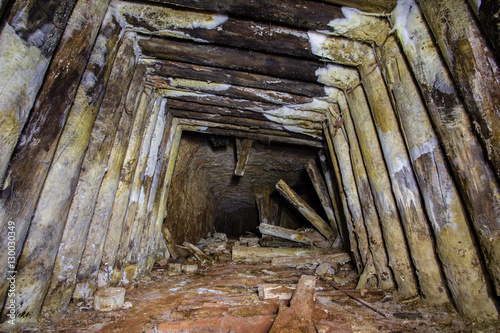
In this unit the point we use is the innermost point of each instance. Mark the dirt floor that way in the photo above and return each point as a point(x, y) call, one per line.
point(223, 297)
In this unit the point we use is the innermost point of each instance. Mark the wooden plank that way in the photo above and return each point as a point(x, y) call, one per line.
point(340, 258)
point(298, 13)
point(304, 209)
point(175, 69)
point(243, 157)
point(231, 58)
point(309, 238)
point(267, 254)
point(285, 292)
point(320, 186)
point(298, 317)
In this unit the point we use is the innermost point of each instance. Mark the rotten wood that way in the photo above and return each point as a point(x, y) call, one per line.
point(92, 254)
point(243, 155)
point(473, 66)
point(298, 317)
point(231, 58)
point(174, 69)
point(488, 16)
point(31, 161)
point(299, 13)
point(309, 238)
point(320, 186)
point(45, 232)
point(93, 169)
point(304, 209)
point(267, 254)
point(197, 253)
point(340, 258)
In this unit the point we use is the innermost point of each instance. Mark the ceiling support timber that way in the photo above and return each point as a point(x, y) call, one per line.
point(243, 155)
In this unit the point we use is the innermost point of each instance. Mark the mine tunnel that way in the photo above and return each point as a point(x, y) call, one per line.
point(249, 165)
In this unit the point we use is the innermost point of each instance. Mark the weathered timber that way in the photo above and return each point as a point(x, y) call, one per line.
point(197, 253)
point(123, 191)
point(267, 254)
point(285, 292)
point(488, 14)
point(299, 13)
point(340, 258)
point(322, 192)
point(371, 218)
point(353, 243)
point(309, 238)
point(93, 168)
point(220, 29)
point(392, 230)
point(404, 185)
point(30, 163)
point(141, 223)
point(374, 6)
point(445, 210)
point(341, 149)
point(129, 228)
point(474, 178)
point(86, 277)
point(304, 209)
point(45, 232)
point(243, 157)
point(109, 299)
point(261, 200)
point(211, 127)
point(148, 251)
point(473, 66)
point(28, 40)
point(298, 317)
point(245, 79)
point(231, 58)
point(229, 90)
point(331, 185)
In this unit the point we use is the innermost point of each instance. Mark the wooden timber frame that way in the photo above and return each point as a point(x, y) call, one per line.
point(414, 167)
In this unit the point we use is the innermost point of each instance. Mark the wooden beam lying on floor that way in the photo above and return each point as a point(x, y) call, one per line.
point(309, 238)
point(305, 209)
point(298, 317)
point(321, 258)
point(285, 292)
point(267, 254)
point(175, 69)
point(243, 155)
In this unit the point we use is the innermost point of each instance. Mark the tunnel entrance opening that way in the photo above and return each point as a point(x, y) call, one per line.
point(206, 196)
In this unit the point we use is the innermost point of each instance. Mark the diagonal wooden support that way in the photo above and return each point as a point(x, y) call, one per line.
point(322, 191)
point(243, 154)
point(305, 209)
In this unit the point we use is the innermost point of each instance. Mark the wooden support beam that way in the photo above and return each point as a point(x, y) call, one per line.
point(45, 232)
point(30, 164)
point(299, 13)
point(320, 186)
point(175, 69)
point(487, 13)
point(93, 169)
point(243, 157)
point(91, 257)
point(473, 66)
point(340, 258)
point(231, 58)
point(261, 200)
point(229, 90)
point(309, 238)
point(304, 209)
point(460, 146)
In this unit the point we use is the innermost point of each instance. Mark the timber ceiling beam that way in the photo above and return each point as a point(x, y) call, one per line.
point(297, 13)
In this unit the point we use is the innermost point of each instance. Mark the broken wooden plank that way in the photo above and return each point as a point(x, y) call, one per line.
point(197, 253)
point(321, 190)
point(309, 238)
point(267, 254)
point(298, 317)
point(304, 209)
point(243, 157)
point(302, 260)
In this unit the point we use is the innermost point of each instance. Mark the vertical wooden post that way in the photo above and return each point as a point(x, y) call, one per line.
point(243, 154)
